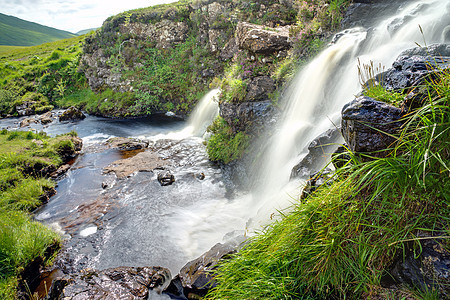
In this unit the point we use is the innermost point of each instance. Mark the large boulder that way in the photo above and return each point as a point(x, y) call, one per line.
point(115, 283)
point(261, 39)
point(367, 125)
point(259, 88)
point(72, 114)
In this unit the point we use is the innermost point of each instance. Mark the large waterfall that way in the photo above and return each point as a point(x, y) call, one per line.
point(312, 106)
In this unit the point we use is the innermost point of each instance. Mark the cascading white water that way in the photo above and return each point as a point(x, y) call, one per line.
point(313, 105)
point(204, 113)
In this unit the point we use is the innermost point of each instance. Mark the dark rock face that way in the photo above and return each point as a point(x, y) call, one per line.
point(367, 123)
point(260, 88)
point(195, 278)
point(246, 116)
point(431, 270)
point(322, 146)
point(115, 283)
point(257, 39)
point(72, 114)
point(315, 181)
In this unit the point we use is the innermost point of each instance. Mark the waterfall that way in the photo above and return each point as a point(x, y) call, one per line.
point(312, 106)
point(204, 113)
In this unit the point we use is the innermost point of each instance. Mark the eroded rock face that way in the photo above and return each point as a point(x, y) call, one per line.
point(72, 114)
point(115, 283)
point(259, 88)
point(258, 39)
point(367, 125)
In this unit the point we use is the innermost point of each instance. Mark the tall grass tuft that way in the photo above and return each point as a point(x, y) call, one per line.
point(342, 240)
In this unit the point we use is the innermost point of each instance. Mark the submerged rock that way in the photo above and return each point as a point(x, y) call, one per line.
point(166, 178)
point(72, 114)
point(115, 283)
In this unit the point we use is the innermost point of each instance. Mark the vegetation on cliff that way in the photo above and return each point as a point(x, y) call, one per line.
point(341, 241)
point(26, 161)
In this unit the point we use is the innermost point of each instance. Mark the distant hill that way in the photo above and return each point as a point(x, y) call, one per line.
point(81, 32)
point(18, 32)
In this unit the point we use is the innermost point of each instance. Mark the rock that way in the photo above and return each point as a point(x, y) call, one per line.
point(260, 39)
point(367, 125)
point(46, 118)
point(127, 143)
point(114, 283)
point(428, 271)
point(195, 278)
point(166, 178)
point(259, 88)
point(339, 158)
point(318, 151)
point(315, 181)
point(60, 171)
point(145, 161)
point(26, 108)
point(72, 114)
point(27, 122)
point(247, 116)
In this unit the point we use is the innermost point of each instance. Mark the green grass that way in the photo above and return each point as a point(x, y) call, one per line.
point(18, 32)
point(341, 240)
point(24, 159)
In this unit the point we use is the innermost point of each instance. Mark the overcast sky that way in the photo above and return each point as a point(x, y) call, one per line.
point(71, 15)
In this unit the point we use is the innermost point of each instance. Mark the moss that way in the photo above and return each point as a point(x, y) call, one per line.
point(224, 145)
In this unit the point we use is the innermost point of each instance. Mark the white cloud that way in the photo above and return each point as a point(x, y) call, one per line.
point(71, 15)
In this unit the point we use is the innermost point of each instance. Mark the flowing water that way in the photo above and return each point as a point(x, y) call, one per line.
point(135, 221)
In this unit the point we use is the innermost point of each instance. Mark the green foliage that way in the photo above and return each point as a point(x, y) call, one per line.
point(24, 156)
point(18, 32)
point(225, 146)
point(339, 242)
point(380, 93)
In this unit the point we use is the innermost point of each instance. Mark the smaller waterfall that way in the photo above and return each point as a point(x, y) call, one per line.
point(204, 113)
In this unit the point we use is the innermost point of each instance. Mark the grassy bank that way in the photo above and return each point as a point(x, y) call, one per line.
point(341, 241)
point(26, 158)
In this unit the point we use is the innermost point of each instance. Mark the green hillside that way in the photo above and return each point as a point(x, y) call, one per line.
point(18, 32)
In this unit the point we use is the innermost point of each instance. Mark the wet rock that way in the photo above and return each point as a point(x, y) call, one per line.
point(428, 271)
point(67, 153)
point(367, 125)
point(200, 176)
point(114, 283)
point(126, 143)
point(26, 108)
point(315, 181)
point(46, 118)
point(259, 88)
point(259, 39)
point(27, 122)
point(60, 171)
point(339, 158)
point(72, 114)
point(195, 278)
point(248, 116)
point(145, 161)
point(166, 178)
point(318, 151)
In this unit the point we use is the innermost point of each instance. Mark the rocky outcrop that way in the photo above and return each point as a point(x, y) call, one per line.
point(46, 118)
point(116, 283)
point(196, 278)
point(368, 125)
point(145, 161)
point(261, 39)
point(26, 108)
point(72, 114)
